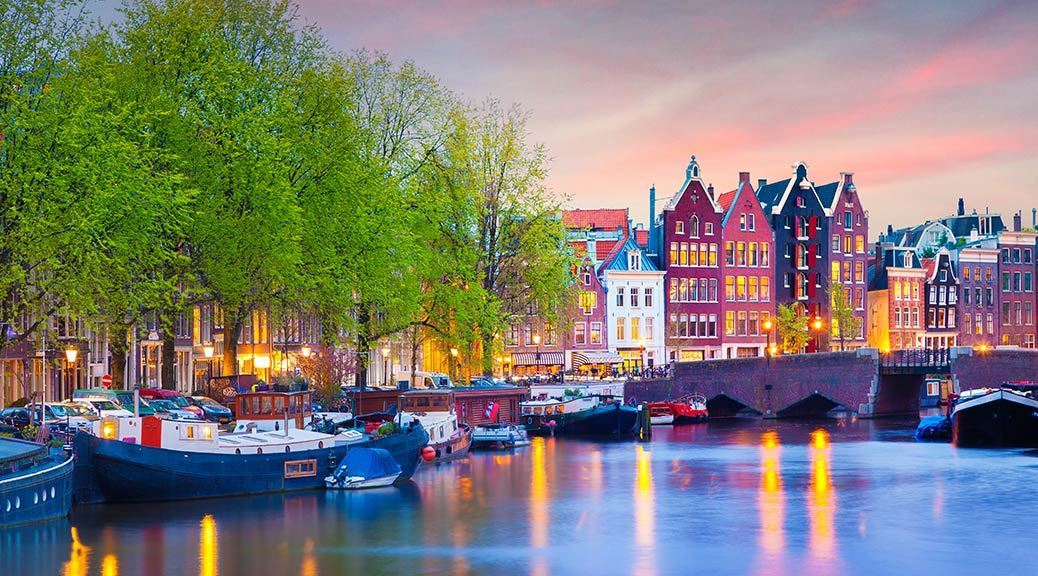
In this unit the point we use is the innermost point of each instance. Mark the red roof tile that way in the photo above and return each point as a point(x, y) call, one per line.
point(603, 248)
point(725, 200)
point(601, 219)
point(928, 266)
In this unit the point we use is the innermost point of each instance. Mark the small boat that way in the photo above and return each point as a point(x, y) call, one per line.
point(364, 468)
point(35, 483)
point(689, 409)
point(504, 435)
point(434, 410)
point(660, 414)
point(995, 417)
point(934, 429)
point(580, 416)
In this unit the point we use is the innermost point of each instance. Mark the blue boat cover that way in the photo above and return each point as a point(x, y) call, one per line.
point(367, 463)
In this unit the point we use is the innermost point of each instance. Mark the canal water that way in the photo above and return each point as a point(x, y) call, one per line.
point(741, 497)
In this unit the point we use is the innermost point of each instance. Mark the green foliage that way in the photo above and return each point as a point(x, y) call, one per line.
point(845, 324)
point(792, 329)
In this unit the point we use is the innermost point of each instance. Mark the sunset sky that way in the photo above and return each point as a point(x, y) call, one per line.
point(924, 101)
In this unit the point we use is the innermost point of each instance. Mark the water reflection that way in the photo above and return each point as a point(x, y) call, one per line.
point(644, 512)
point(208, 543)
point(771, 498)
point(539, 505)
point(309, 566)
point(110, 565)
point(822, 498)
point(79, 558)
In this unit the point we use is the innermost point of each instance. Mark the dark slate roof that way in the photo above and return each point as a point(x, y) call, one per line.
point(827, 193)
point(877, 278)
point(907, 236)
point(892, 258)
point(771, 194)
point(961, 226)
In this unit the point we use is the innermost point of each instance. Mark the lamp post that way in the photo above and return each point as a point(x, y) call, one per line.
point(385, 365)
point(768, 325)
point(817, 325)
point(454, 360)
point(641, 355)
point(537, 358)
point(71, 353)
point(207, 351)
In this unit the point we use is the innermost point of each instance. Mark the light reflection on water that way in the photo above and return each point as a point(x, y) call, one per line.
point(764, 497)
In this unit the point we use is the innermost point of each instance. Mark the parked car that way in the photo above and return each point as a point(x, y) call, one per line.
point(100, 407)
point(182, 403)
point(63, 418)
point(17, 417)
point(213, 410)
point(77, 415)
point(124, 398)
point(168, 410)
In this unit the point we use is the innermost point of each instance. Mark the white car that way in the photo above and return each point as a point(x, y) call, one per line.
point(75, 416)
point(101, 407)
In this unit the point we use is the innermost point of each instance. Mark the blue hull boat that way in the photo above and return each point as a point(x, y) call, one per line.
point(35, 485)
point(116, 471)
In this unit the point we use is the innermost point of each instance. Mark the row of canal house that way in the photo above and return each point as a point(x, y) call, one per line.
point(961, 280)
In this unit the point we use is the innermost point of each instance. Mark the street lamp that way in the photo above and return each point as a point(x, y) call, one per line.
point(817, 325)
point(71, 354)
point(306, 351)
point(385, 365)
point(641, 354)
point(537, 341)
point(768, 325)
point(208, 350)
point(454, 360)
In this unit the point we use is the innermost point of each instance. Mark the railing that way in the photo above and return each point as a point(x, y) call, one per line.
point(916, 358)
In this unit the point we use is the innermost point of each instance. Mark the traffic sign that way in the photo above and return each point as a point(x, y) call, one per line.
point(106, 380)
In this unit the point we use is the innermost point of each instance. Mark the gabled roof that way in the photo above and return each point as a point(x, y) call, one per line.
point(618, 257)
point(770, 194)
point(828, 193)
point(962, 226)
point(725, 200)
point(729, 199)
point(929, 267)
point(892, 258)
point(773, 197)
point(603, 248)
point(597, 219)
point(691, 175)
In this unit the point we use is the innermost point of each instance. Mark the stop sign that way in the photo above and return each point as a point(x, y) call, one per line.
point(106, 380)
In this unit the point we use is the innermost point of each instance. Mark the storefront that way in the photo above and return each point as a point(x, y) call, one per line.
point(595, 364)
point(531, 363)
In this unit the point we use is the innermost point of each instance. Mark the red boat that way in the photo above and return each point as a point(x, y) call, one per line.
point(691, 408)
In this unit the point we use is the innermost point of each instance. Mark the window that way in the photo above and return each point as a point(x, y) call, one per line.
point(1016, 255)
point(729, 323)
point(801, 256)
point(765, 289)
point(673, 253)
point(740, 288)
point(512, 336)
point(859, 272)
point(752, 259)
point(944, 275)
point(587, 301)
point(897, 317)
point(764, 255)
point(802, 231)
point(694, 227)
point(580, 333)
point(754, 294)
point(740, 324)
point(1006, 318)
point(846, 272)
point(634, 260)
point(754, 326)
point(740, 254)
point(620, 328)
point(897, 289)
point(835, 272)
point(683, 254)
point(713, 254)
point(587, 278)
point(908, 260)
point(966, 297)
point(1016, 281)
point(847, 221)
point(679, 227)
point(1027, 255)
point(915, 318)
point(991, 323)
point(709, 228)
point(636, 329)
point(620, 296)
point(1005, 281)
point(801, 286)
point(729, 289)
point(1027, 281)
point(742, 222)
point(648, 297)
point(836, 243)
point(301, 468)
point(528, 335)
point(673, 289)
point(634, 297)
point(596, 332)
point(752, 225)
point(859, 244)
point(713, 289)
point(847, 244)
point(801, 202)
point(648, 327)
point(729, 253)
point(965, 273)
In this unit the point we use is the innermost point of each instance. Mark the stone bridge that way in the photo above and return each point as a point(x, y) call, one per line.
point(864, 381)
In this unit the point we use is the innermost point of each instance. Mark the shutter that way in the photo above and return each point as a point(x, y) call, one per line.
point(812, 254)
point(812, 284)
point(792, 285)
point(812, 227)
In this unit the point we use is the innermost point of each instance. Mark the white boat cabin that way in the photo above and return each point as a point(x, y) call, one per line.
point(434, 409)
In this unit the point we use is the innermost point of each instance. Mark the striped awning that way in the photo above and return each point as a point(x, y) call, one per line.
point(535, 359)
point(581, 358)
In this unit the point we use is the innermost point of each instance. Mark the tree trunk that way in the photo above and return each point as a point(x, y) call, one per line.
point(169, 359)
point(232, 326)
point(363, 318)
point(488, 354)
point(118, 346)
point(414, 352)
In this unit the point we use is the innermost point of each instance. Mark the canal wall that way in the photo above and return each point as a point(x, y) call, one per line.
point(975, 369)
point(784, 386)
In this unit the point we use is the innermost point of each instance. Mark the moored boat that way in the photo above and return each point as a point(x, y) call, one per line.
point(660, 414)
point(35, 483)
point(434, 410)
point(689, 409)
point(581, 416)
point(995, 417)
point(503, 435)
point(147, 459)
point(364, 468)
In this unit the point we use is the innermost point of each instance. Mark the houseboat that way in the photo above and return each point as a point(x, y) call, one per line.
point(434, 410)
point(995, 417)
point(35, 483)
point(499, 435)
point(685, 410)
point(580, 416)
point(270, 450)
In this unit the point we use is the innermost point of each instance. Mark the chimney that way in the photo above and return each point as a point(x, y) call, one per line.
point(879, 256)
point(962, 207)
point(1034, 218)
point(890, 230)
point(710, 191)
point(592, 248)
point(761, 182)
point(1018, 223)
point(652, 218)
point(848, 179)
point(744, 177)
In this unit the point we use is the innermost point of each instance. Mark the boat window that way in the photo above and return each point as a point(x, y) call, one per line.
point(259, 450)
point(51, 491)
point(279, 405)
point(190, 431)
point(267, 407)
point(288, 448)
point(423, 401)
point(300, 468)
point(237, 450)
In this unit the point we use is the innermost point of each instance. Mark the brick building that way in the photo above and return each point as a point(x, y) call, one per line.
point(849, 230)
point(941, 286)
point(979, 294)
point(896, 303)
point(1017, 287)
point(747, 269)
point(800, 221)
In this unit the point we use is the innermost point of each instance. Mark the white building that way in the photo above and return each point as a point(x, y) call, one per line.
point(634, 306)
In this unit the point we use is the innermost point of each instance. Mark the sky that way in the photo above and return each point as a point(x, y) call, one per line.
point(924, 101)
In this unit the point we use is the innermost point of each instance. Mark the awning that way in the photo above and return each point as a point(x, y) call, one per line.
point(541, 359)
point(581, 358)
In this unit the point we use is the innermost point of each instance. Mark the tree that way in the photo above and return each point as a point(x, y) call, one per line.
point(846, 325)
point(792, 329)
point(328, 369)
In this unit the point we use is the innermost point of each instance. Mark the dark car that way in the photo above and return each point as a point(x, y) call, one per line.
point(212, 410)
point(17, 417)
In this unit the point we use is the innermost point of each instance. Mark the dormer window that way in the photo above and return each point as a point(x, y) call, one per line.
point(679, 228)
point(694, 227)
point(587, 278)
point(634, 261)
point(801, 202)
point(742, 222)
point(908, 260)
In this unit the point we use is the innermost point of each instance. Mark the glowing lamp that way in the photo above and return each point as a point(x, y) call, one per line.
point(537, 339)
point(261, 361)
point(305, 351)
point(454, 352)
point(385, 351)
point(773, 350)
point(767, 325)
point(208, 350)
point(818, 323)
point(109, 429)
point(71, 354)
